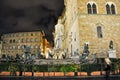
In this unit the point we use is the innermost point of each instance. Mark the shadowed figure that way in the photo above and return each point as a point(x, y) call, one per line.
point(86, 49)
point(84, 56)
point(108, 67)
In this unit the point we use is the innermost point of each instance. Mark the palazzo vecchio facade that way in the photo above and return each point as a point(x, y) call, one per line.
point(95, 22)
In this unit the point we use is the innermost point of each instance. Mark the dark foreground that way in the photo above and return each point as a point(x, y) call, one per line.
point(112, 77)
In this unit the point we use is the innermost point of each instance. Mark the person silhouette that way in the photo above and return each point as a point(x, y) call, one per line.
point(107, 68)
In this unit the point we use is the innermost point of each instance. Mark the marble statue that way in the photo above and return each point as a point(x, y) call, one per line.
point(76, 53)
point(58, 34)
point(107, 60)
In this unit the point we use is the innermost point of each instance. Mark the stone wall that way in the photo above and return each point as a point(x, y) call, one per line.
point(101, 5)
point(110, 25)
point(88, 24)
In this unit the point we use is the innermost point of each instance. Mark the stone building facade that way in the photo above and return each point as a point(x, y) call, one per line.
point(0, 48)
point(14, 43)
point(95, 22)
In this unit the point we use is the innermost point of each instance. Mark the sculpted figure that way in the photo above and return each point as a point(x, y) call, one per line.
point(111, 45)
point(86, 49)
point(58, 34)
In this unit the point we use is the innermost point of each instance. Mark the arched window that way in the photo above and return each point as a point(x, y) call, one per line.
point(99, 32)
point(94, 9)
point(36, 46)
point(19, 40)
point(89, 9)
point(13, 47)
point(22, 40)
point(31, 34)
point(31, 40)
point(10, 41)
point(10, 47)
point(112, 9)
point(27, 40)
point(36, 39)
point(14, 41)
point(19, 47)
point(108, 9)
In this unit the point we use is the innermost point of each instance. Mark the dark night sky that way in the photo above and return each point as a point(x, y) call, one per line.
point(29, 15)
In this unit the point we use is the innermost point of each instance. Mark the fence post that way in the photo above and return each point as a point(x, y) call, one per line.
point(101, 68)
point(88, 70)
point(32, 68)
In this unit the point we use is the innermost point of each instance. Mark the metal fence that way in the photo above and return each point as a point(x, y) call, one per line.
point(112, 77)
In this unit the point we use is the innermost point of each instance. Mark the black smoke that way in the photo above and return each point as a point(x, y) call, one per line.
point(30, 15)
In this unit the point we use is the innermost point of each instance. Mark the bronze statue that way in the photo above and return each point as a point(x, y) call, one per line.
point(111, 44)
